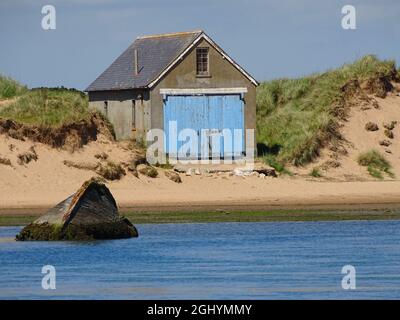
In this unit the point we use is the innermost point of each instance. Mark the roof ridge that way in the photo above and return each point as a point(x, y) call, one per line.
point(161, 35)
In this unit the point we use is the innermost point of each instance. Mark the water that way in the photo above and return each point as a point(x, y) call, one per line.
point(285, 260)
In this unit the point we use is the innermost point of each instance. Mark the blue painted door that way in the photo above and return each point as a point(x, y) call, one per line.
point(218, 121)
point(233, 120)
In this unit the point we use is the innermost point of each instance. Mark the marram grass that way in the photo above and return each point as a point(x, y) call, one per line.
point(48, 107)
point(376, 164)
point(10, 88)
point(296, 117)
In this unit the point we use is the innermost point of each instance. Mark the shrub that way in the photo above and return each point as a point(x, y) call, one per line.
point(148, 171)
point(111, 170)
point(166, 165)
point(315, 172)
point(376, 164)
point(279, 167)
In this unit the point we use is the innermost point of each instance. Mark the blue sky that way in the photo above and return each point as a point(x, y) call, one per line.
point(270, 39)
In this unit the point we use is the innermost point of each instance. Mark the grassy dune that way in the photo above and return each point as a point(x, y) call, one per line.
point(50, 107)
point(296, 117)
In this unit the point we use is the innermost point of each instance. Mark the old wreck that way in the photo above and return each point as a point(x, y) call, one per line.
point(90, 213)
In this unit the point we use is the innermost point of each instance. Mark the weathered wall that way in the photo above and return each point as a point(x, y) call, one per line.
point(222, 75)
point(122, 111)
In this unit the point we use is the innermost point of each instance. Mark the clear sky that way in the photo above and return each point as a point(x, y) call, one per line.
point(270, 39)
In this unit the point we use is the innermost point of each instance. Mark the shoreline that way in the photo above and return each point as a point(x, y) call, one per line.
point(216, 206)
point(207, 199)
point(223, 212)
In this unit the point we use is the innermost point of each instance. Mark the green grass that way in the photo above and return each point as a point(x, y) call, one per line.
point(10, 88)
point(234, 216)
point(48, 107)
point(164, 165)
point(111, 170)
point(16, 219)
point(299, 116)
point(376, 164)
point(148, 171)
point(258, 216)
point(279, 166)
point(315, 172)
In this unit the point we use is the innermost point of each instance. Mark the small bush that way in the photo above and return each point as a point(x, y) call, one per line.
point(166, 165)
point(277, 165)
point(148, 171)
point(315, 172)
point(376, 164)
point(111, 171)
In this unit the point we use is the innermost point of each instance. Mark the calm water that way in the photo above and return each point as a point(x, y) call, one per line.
point(297, 260)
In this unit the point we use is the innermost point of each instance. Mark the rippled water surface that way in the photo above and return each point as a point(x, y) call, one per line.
point(285, 260)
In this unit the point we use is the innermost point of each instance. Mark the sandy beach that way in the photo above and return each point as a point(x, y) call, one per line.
point(39, 185)
point(198, 193)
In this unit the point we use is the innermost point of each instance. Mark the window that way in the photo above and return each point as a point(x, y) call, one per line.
point(202, 61)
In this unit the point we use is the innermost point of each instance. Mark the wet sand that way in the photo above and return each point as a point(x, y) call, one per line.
point(197, 194)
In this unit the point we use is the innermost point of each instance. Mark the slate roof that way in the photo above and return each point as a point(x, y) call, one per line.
point(155, 53)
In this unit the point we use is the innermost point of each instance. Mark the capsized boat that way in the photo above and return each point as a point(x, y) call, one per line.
point(90, 213)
